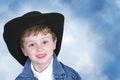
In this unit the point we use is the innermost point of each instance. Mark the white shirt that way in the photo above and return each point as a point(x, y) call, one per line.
point(46, 74)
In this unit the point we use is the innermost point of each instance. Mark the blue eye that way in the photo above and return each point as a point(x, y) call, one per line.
point(31, 45)
point(45, 42)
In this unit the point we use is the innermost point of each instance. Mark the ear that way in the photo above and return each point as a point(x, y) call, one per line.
point(24, 52)
point(55, 41)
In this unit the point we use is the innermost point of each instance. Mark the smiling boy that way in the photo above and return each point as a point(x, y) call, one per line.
point(34, 40)
point(38, 43)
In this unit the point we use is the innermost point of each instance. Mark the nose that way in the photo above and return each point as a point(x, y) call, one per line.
point(39, 48)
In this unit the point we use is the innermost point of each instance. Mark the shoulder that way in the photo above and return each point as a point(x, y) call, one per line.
point(71, 72)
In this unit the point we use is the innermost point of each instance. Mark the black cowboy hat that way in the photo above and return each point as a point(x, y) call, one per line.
point(14, 28)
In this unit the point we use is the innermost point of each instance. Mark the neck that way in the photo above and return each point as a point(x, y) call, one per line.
point(41, 67)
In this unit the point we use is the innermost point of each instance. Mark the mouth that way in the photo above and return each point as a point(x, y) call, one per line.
point(41, 56)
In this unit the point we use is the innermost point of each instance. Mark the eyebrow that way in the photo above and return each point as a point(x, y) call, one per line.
point(40, 39)
point(45, 37)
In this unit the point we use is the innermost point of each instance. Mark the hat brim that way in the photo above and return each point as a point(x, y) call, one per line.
point(14, 28)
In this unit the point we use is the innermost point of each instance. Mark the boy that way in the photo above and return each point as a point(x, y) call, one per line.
point(34, 40)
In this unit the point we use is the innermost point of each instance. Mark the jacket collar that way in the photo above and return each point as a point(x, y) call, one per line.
point(58, 70)
point(27, 71)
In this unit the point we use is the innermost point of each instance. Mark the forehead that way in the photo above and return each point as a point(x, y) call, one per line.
point(35, 30)
point(39, 36)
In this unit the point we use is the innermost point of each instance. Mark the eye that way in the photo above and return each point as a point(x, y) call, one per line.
point(45, 42)
point(31, 45)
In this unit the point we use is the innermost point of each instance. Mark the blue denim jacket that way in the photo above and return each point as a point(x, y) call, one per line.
point(60, 71)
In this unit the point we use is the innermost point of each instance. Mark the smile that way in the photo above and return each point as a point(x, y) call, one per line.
point(41, 55)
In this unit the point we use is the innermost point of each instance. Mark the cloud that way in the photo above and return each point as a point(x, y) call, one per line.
point(84, 40)
point(9, 68)
point(81, 44)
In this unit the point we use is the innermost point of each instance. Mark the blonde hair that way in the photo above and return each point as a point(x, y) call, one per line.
point(35, 30)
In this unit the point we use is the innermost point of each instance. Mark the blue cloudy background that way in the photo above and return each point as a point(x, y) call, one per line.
point(91, 42)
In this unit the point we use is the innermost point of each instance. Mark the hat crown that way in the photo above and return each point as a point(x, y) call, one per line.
point(31, 14)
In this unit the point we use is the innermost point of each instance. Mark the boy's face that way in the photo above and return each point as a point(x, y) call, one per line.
point(39, 48)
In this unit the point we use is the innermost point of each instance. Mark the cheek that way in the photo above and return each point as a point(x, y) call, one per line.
point(27, 52)
point(50, 47)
